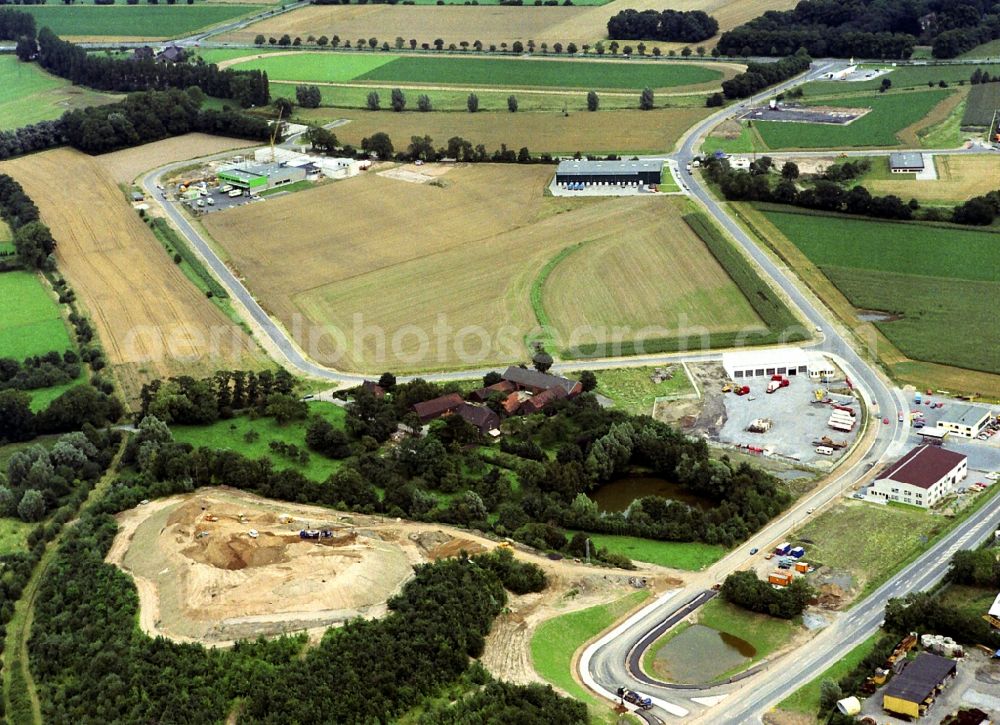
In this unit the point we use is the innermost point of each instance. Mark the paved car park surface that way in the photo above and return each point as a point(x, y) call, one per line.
point(797, 420)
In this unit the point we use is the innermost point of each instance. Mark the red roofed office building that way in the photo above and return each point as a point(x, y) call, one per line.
point(922, 477)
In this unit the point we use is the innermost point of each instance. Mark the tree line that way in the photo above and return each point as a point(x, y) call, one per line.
point(64, 59)
point(669, 25)
point(91, 663)
point(15, 24)
point(866, 28)
point(759, 76)
point(827, 193)
point(39, 371)
point(150, 116)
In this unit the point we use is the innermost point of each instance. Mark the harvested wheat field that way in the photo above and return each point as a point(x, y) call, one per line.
point(489, 24)
point(209, 581)
point(151, 320)
point(126, 165)
point(442, 277)
point(959, 178)
point(632, 132)
point(689, 292)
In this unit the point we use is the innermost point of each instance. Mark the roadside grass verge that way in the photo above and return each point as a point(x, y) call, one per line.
point(805, 700)
point(251, 437)
point(33, 326)
point(632, 390)
point(289, 188)
point(556, 641)
point(686, 555)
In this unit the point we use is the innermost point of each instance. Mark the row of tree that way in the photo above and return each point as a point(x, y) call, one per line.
point(78, 406)
point(39, 371)
point(15, 24)
point(759, 76)
point(866, 28)
point(64, 59)
point(186, 400)
point(756, 184)
point(153, 115)
point(674, 26)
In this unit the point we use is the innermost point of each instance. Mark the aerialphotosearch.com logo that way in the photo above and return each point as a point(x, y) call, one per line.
point(443, 343)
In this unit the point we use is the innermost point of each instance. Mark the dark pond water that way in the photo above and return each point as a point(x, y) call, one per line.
point(700, 655)
point(618, 495)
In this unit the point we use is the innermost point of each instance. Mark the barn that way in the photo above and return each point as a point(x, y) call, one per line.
point(609, 173)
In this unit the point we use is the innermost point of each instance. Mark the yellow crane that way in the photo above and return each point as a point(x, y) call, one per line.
point(274, 132)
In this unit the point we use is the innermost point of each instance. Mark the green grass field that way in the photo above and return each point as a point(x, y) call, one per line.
point(230, 435)
point(868, 541)
point(890, 114)
point(486, 72)
point(139, 21)
point(986, 50)
point(933, 280)
point(805, 700)
point(633, 391)
point(13, 535)
point(689, 556)
point(28, 94)
point(556, 640)
point(32, 323)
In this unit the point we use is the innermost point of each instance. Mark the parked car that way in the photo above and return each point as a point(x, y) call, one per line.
point(754, 550)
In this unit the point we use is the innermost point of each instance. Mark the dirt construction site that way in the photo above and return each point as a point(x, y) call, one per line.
point(219, 565)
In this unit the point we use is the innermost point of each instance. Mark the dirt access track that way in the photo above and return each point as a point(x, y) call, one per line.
point(210, 582)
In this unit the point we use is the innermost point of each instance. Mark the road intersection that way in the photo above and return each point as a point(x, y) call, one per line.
point(611, 662)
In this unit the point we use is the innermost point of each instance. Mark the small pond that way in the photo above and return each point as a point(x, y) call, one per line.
point(618, 495)
point(700, 655)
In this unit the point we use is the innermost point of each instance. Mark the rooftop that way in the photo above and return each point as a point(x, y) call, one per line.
point(923, 466)
point(534, 379)
point(969, 415)
point(906, 161)
point(918, 680)
point(247, 171)
point(582, 166)
point(995, 609)
point(430, 409)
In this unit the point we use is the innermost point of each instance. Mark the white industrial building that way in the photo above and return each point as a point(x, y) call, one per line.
point(967, 421)
point(787, 361)
point(922, 477)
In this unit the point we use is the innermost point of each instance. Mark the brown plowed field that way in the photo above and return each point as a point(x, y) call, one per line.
point(150, 319)
point(442, 276)
point(490, 24)
point(127, 164)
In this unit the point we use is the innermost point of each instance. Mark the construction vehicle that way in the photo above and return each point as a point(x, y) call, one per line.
point(253, 533)
point(759, 425)
point(211, 517)
point(742, 390)
point(727, 388)
point(829, 443)
point(309, 534)
point(505, 545)
point(820, 395)
point(643, 702)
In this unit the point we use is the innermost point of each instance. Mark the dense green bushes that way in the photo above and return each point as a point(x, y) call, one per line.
point(744, 589)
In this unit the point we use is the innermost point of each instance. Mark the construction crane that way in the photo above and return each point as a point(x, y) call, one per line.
point(274, 132)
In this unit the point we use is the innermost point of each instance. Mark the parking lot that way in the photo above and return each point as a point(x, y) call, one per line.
point(600, 189)
point(806, 114)
point(220, 201)
point(983, 456)
point(797, 421)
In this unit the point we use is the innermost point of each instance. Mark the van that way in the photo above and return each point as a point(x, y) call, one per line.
point(210, 201)
point(824, 450)
point(235, 193)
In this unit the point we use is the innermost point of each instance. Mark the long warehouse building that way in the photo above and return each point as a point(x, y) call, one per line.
point(609, 172)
